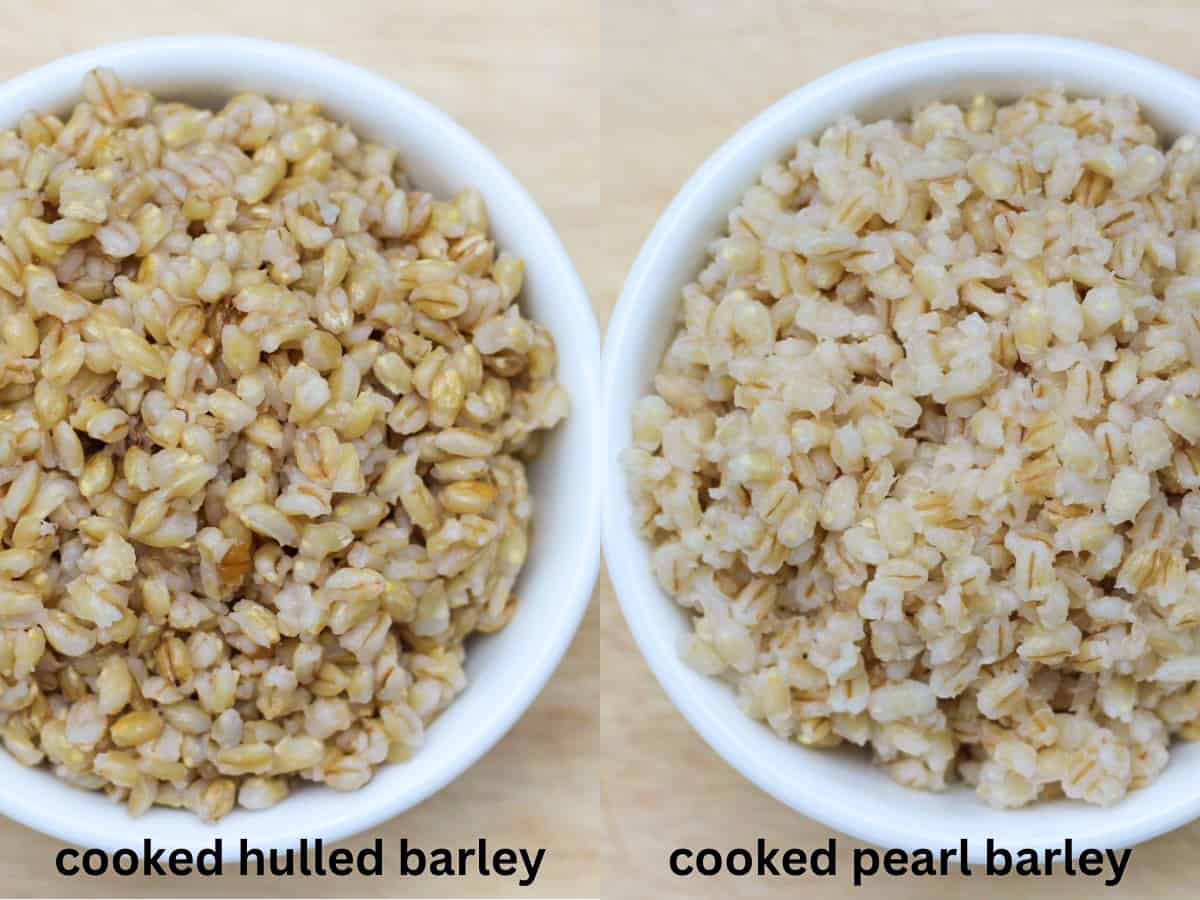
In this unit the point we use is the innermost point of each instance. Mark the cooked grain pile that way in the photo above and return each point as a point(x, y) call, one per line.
point(263, 406)
point(924, 455)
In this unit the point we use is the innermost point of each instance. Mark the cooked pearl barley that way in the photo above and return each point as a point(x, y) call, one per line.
point(266, 411)
point(923, 459)
point(1127, 494)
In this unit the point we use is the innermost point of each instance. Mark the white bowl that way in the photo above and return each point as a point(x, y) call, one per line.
point(841, 789)
point(506, 670)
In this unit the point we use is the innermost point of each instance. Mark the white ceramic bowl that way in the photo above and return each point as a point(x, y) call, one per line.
point(843, 789)
point(506, 670)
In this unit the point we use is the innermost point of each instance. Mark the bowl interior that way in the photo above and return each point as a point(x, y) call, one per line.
point(840, 788)
point(505, 669)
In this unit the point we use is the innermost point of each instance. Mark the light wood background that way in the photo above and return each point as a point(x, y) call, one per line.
point(602, 109)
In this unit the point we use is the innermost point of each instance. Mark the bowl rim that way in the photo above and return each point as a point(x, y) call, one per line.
point(633, 582)
point(367, 807)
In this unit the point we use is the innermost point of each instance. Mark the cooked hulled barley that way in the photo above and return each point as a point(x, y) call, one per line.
point(922, 459)
point(264, 408)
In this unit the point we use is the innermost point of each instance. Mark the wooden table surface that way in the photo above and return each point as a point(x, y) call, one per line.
point(602, 109)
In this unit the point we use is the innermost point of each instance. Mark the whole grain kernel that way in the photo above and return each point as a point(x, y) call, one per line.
point(136, 728)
